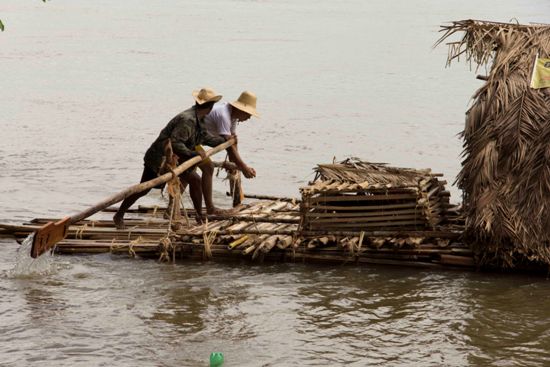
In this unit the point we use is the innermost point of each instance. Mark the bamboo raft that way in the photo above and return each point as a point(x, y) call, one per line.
point(353, 212)
point(264, 230)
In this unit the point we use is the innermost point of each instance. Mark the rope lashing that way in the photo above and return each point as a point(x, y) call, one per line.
point(80, 231)
point(130, 232)
point(166, 247)
point(137, 241)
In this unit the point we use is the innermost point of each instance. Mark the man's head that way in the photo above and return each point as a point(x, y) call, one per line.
point(205, 99)
point(244, 106)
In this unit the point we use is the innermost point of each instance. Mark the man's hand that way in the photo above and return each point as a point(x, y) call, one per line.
point(248, 172)
point(202, 153)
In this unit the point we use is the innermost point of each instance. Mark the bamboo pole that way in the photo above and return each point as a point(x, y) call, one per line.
point(364, 214)
point(363, 198)
point(292, 230)
point(320, 206)
point(252, 218)
point(411, 223)
point(268, 197)
point(387, 217)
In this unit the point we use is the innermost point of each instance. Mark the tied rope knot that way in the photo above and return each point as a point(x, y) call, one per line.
point(166, 247)
point(114, 247)
point(173, 173)
point(137, 241)
point(80, 231)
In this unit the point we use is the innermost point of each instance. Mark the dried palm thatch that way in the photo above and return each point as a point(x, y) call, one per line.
point(505, 172)
point(354, 170)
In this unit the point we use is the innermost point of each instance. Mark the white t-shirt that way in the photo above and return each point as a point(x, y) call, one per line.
point(219, 122)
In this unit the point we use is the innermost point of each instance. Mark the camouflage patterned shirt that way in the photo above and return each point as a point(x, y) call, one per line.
point(184, 132)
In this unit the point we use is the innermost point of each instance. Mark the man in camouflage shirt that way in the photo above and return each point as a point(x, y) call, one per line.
point(184, 132)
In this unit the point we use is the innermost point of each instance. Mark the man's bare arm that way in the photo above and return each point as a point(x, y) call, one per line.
point(235, 157)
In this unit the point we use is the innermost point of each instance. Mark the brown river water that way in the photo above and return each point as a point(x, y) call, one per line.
point(86, 86)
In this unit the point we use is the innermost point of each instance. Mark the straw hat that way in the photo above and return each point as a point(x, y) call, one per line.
point(246, 103)
point(206, 95)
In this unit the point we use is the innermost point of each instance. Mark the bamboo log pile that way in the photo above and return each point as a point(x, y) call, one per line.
point(281, 238)
point(360, 196)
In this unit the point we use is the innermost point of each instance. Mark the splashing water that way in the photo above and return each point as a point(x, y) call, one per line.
point(26, 266)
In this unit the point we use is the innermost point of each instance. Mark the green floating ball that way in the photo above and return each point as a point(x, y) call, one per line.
point(216, 359)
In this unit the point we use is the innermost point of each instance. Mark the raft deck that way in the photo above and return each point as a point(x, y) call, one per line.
point(263, 230)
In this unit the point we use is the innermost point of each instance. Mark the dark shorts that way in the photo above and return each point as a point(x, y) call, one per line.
point(148, 174)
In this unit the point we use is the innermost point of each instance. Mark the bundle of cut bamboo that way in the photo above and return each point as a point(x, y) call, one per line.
point(360, 196)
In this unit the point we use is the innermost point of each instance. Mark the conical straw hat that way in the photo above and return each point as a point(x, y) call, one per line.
point(246, 103)
point(206, 95)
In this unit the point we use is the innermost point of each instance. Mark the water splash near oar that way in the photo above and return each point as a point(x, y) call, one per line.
point(26, 266)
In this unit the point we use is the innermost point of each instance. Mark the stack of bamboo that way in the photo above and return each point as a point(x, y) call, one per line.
point(360, 196)
point(253, 231)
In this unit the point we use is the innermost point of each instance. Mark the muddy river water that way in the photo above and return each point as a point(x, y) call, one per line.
point(86, 86)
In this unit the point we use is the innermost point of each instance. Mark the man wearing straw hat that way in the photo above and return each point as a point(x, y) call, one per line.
point(223, 119)
point(184, 132)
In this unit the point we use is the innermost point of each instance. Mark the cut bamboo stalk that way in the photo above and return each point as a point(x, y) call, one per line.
point(148, 221)
point(249, 249)
point(355, 190)
point(254, 218)
point(365, 207)
point(268, 197)
point(288, 211)
point(237, 242)
point(363, 214)
point(457, 260)
point(238, 226)
point(382, 219)
point(269, 243)
point(363, 198)
point(363, 260)
point(394, 233)
point(250, 241)
point(284, 242)
point(327, 225)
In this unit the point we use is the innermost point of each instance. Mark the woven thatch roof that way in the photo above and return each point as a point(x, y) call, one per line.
point(505, 173)
point(353, 174)
point(353, 171)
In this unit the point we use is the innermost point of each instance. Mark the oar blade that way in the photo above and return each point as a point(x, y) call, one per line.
point(48, 236)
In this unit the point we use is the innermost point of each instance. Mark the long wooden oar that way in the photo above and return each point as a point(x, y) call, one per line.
point(51, 233)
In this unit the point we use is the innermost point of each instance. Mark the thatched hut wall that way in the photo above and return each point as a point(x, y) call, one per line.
point(505, 174)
